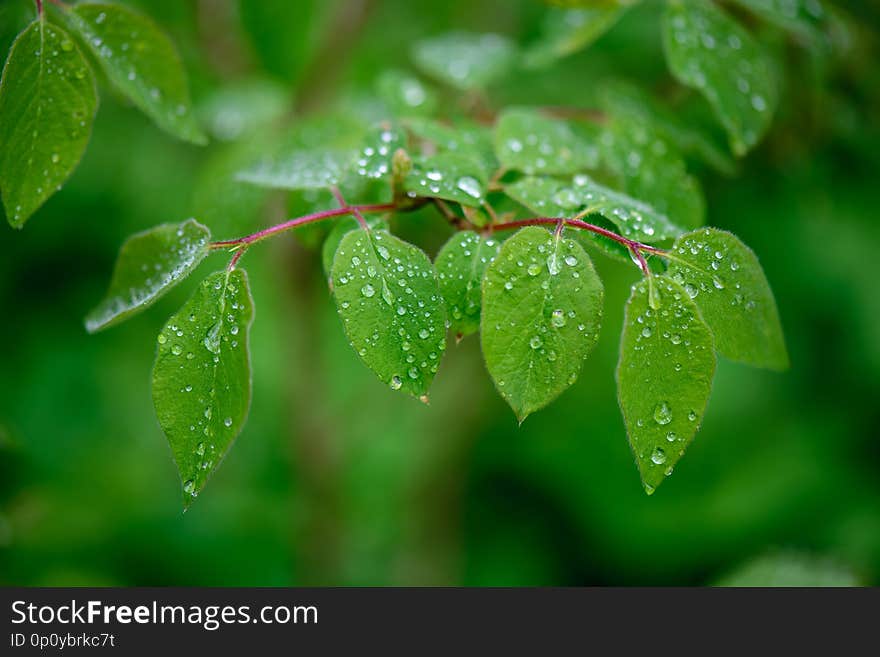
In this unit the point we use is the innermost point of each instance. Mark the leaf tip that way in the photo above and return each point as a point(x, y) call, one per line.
point(424, 399)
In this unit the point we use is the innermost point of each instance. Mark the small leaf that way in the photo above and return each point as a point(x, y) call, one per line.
point(202, 376)
point(448, 176)
point(300, 169)
point(651, 169)
point(47, 106)
point(528, 142)
point(343, 226)
point(664, 375)
point(542, 309)
point(149, 264)
point(464, 138)
point(141, 62)
point(550, 197)
point(709, 51)
point(723, 276)
point(389, 301)
point(374, 158)
point(460, 266)
point(565, 31)
point(465, 61)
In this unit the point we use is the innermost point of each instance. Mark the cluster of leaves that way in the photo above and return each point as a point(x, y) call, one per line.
point(49, 98)
point(533, 294)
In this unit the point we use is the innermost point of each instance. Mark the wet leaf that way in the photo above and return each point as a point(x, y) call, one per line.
point(149, 265)
point(202, 377)
point(460, 265)
point(448, 176)
point(300, 169)
point(664, 376)
point(389, 301)
point(47, 105)
point(652, 170)
point(709, 51)
point(341, 228)
point(551, 197)
point(534, 144)
point(542, 310)
point(141, 62)
point(723, 276)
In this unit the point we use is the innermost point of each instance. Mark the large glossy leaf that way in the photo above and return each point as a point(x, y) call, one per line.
point(565, 31)
point(652, 170)
point(47, 105)
point(388, 298)
point(723, 276)
point(542, 309)
point(709, 51)
point(141, 62)
point(464, 60)
point(534, 144)
point(202, 376)
point(551, 197)
point(448, 176)
point(149, 264)
point(664, 376)
point(460, 266)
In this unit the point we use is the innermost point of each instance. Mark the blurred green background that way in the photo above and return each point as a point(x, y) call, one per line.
point(336, 479)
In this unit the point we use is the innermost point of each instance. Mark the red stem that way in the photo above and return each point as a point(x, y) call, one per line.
point(299, 221)
point(39, 7)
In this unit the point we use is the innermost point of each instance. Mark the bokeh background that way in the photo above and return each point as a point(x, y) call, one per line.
point(336, 479)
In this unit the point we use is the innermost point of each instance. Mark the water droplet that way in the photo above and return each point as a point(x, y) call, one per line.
point(470, 186)
point(212, 339)
point(662, 413)
point(557, 318)
point(189, 487)
point(396, 382)
point(227, 422)
point(646, 332)
point(534, 269)
point(692, 416)
point(536, 342)
point(658, 456)
point(671, 437)
point(368, 290)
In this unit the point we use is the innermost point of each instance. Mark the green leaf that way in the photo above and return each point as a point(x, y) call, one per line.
point(465, 61)
point(374, 158)
point(141, 62)
point(652, 170)
point(633, 106)
point(406, 95)
point(725, 279)
point(464, 138)
point(565, 31)
point(550, 197)
point(542, 310)
point(149, 264)
point(448, 176)
point(805, 18)
point(300, 169)
point(664, 375)
point(712, 53)
point(47, 105)
point(388, 298)
point(460, 266)
point(528, 142)
point(341, 228)
point(202, 376)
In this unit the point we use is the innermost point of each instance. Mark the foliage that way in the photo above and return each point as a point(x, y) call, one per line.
point(617, 178)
